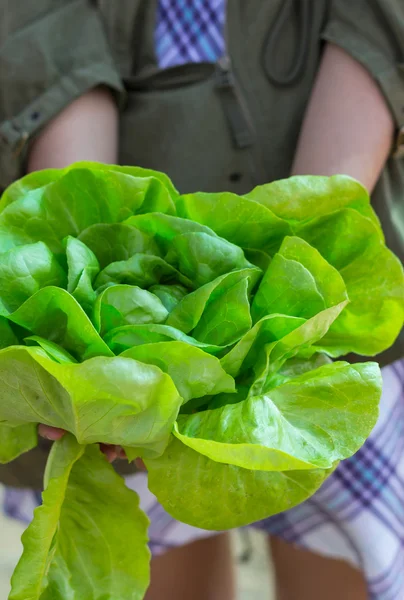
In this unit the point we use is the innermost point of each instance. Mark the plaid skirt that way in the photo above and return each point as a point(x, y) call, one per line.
point(357, 515)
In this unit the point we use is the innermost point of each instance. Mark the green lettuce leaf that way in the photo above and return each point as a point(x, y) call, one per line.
point(164, 228)
point(20, 188)
point(141, 270)
point(194, 249)
point(235, 218)
point(322, 211)
point(189, 313)
point(226, 317)
point(83, 267)
point(24, 271)
point(299, 198)
point(79, 258)
point(127, 305)
point(16, 440)
point(194, 372)
point(169, 294)
point(212, 495)
point(53, 350)
point(52, 313)
point(266, 466)
point(161, 180)
point(128, 336)
point(311, 421)
point(202, 258)
point(112, 242)
point(116, 400)
point(275, 339)
point(373, 277)
point(298, 282)
point(75, 546)
point(79, 198)
point(7, 335)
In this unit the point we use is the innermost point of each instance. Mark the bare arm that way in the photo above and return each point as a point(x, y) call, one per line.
point(347, 128)
point(86, 130)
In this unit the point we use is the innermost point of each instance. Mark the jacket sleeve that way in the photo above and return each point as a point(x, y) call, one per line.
point(372, 32)
point(51, 52)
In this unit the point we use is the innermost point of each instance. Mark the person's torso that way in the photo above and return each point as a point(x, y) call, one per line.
point(224, 126)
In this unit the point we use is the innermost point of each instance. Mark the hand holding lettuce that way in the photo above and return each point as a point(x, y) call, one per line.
point(194, 332)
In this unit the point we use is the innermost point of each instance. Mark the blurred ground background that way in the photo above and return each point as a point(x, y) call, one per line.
point(254, 577)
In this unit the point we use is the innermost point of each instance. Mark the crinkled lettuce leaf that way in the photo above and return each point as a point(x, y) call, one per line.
point(272, 450)
point(218, 312)
point(82, 268)
point(53, 313)
point(89, 537)
point(194, 372)
point(275, 339)
point(373, 278)
point(117, 400)
point(122, 305)
point(311, 421)
point(299, 198)
point(82, 196)
point(335, 217)
point(25, 270)
point(114, 242)
point(126, 337)
point(298, 282)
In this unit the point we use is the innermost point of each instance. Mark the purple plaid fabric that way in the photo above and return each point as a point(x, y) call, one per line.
point(189, 31)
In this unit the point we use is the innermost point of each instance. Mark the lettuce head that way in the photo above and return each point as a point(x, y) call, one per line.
point(196, 331)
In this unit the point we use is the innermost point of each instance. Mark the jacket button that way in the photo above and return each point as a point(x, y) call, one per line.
point(398, 150)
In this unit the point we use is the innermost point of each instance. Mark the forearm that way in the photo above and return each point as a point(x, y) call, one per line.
point(86, 130)
point(348, 128)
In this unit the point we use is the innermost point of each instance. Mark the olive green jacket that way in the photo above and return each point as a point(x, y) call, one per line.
point(230, 126)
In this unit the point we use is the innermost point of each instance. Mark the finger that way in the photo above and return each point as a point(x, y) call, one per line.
point(140, 464)
point(50, 433)
point(122, 453)
point(110, 451)
point(138, 461)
